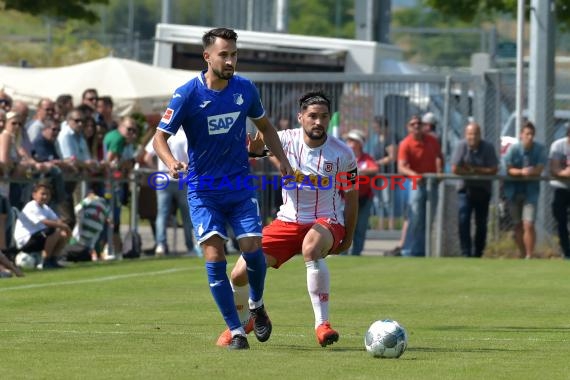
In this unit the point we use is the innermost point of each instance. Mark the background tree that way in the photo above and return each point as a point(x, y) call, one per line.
point(435, 49)
point(468, 10)
point(320, 18)
point(68, 9)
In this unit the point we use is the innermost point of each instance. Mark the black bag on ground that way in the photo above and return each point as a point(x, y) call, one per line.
point(77, 252)
point(132, 245)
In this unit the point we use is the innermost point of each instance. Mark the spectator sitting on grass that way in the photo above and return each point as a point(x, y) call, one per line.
point(38, 228)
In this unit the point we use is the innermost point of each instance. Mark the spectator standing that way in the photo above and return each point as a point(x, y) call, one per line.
point(284, 123)
point(45, 150)
point(89, 98)
point(90, 135)
point(46, 110)
point(385, 152)
point(524, 160)
point(418, 154)
point(474, 156)
point(5, 101)
point(17, 161)
point(74, 150)
point(63, 106)
point(560, 167)
point(429, 124)
point(171, 195)
point(119, 157)
point(105, 113)
point(366, 167)
point(22, 109)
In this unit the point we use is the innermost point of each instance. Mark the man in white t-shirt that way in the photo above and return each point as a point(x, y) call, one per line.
point(167, 193)
point(38, 228)
point(314, 220)
point(560, 167)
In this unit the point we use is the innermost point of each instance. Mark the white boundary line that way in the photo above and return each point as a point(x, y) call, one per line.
point(208, 335)
point(91, 280)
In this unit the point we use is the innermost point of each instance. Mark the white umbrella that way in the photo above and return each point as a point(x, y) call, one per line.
point(134, 86)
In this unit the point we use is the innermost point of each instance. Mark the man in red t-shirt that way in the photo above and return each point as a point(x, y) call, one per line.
point(418, 153)
point(366, 167)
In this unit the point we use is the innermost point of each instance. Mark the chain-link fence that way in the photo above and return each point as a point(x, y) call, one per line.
point(454, 100)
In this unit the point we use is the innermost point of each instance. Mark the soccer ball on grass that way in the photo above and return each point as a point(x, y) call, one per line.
point(386, 339)
point(25, 260)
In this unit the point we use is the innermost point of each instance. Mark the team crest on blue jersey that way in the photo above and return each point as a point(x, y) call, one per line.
point(238, 99)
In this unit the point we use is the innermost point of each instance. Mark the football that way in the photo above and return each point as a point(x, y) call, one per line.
point(386, 339)
point(25, 260)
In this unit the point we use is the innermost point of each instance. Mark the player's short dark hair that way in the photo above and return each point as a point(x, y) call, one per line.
point(314, 97)
point(210, 36)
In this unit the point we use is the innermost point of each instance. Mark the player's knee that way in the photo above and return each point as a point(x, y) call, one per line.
point(250, 244)
point(312, 250)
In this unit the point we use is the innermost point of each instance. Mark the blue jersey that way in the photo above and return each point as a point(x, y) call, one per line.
point(215, 126)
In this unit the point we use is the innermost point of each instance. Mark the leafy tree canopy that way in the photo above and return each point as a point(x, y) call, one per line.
point(68, 9)
point(467, 10)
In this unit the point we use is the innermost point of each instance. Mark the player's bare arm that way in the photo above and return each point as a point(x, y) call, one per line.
point(271, 139)
point(350, 216)
point(163, 152)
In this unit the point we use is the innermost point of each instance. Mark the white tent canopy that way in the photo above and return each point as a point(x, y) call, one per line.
point(134, 86)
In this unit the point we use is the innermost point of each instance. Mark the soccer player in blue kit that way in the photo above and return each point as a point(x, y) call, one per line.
point(212, 109)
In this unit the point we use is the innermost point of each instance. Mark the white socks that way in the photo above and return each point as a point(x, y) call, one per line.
point(318, 285)
point(241, 299)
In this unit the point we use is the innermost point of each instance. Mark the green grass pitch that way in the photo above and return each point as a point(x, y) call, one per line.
point(156, 319)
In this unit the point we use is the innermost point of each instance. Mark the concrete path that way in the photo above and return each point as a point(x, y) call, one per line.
point(377, 242)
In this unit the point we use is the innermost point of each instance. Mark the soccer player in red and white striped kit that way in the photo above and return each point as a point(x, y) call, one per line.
point(314, 220)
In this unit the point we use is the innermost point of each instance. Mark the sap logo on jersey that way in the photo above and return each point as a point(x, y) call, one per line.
point(219, 124)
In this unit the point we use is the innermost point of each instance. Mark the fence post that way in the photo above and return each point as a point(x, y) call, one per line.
point(429, 212)
point(133, 178)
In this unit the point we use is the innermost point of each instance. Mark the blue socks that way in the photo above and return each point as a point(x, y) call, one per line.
point(222, 292)
point(256, 270)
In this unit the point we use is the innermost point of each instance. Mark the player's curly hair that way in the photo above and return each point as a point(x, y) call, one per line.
point(314, 97)
point(210, 36)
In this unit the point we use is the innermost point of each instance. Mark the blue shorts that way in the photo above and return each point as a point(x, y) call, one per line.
point(211, 214)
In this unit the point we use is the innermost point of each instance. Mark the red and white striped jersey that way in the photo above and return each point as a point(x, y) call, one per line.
point(315, 192)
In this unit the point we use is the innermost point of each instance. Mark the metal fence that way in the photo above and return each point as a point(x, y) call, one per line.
point(358, 99)
point(454, 100)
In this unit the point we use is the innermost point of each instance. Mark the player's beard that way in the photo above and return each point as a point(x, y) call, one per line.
point(223, 75)
point(316, 134)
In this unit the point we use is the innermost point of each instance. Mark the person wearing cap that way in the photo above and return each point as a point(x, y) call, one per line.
point(560, 167)
point(366, 167)
point(474, 156)
point(419, 153)
point(429, 123)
